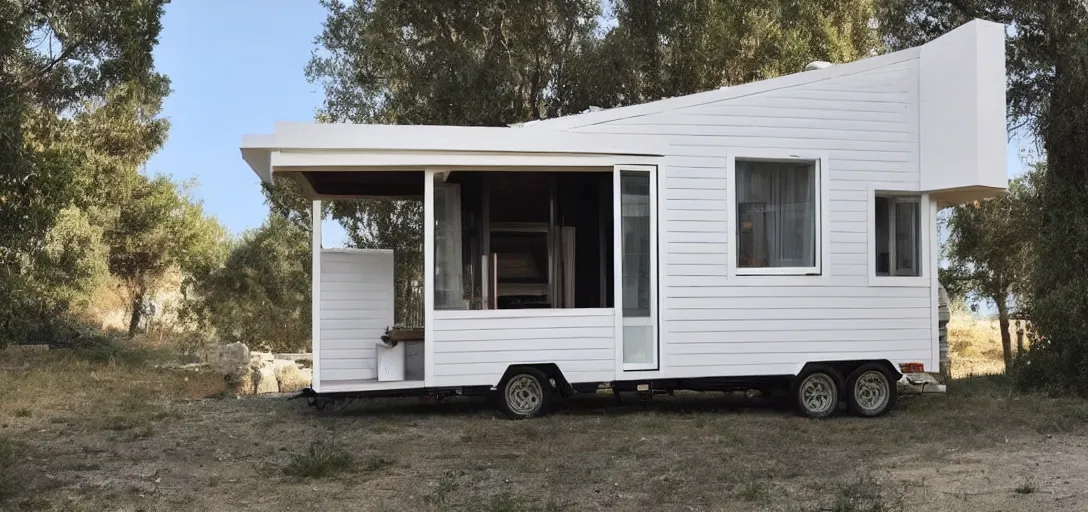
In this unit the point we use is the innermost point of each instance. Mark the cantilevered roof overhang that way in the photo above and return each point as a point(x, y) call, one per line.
point(317, 148)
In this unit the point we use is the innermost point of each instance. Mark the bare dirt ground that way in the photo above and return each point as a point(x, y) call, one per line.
point(114, 433)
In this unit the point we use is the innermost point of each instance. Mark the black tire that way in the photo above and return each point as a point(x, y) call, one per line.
point(874, 380)
point(524, 394)
point(816, 391)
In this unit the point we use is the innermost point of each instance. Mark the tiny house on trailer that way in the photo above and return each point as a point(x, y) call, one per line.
point(778, 234)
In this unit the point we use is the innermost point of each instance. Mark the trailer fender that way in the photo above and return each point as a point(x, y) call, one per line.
point(551, 370)
point(848, 366)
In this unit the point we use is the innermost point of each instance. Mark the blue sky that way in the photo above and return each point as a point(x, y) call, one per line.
point(237, 67)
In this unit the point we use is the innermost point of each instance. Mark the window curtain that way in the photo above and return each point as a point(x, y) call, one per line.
point(448, 285)
point(776, 214)
point(907, 221)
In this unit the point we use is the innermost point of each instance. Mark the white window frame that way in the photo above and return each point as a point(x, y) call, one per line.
point(926, 230)
point(821, 270)
point(617, 277)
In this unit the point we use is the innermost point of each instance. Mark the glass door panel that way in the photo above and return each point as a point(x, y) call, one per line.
point(638, 268)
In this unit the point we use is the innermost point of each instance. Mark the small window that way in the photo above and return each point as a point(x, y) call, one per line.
point(898, 222)
point(777, 217)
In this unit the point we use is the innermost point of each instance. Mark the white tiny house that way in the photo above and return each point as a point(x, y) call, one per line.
point(781, 233)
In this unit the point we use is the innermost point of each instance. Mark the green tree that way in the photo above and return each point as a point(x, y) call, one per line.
point(54, 56)
point(158, 229)
point(990, 251)
point(1060, 294)
point(670, 48)
point(495, 63)
point(261, 294)
point(69, 267)
point(59, 61)
point(476, 63)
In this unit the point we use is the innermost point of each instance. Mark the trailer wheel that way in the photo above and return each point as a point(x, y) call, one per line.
point(870, 391)
point(524, 394)
point(816, 391)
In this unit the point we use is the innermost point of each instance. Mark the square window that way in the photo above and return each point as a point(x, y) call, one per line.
point(777, 224)
point(898, 221)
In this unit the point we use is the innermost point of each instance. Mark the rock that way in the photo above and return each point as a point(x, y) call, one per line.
point(262, 358)
point(232, 360)
point(248, 386)
point(229, 357)
point(277, 364)
point(292, 378)
point(299, 356)
point(266, 381)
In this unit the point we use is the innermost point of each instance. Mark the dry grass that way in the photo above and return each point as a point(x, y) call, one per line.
point(974, 337)
point(320, 460)
point(114, 386)
point(11, 480)
point(974, 346)
point(123, 435)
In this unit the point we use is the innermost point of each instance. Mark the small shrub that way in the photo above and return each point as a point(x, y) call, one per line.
point(863, 495)
point(755, 491)
point(22, 413)
point(1028, 487)
point(320, 460)
point(444, 488)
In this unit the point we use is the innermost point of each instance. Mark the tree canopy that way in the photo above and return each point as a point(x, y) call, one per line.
point(261, 294)
point(80, 103)
point(494, 63)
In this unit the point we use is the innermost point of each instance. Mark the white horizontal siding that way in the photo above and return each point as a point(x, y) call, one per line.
point(695, 316)
point(474, 348)
point(713, 324)
point(798, 355)
point(356, 308)
point(776, 335)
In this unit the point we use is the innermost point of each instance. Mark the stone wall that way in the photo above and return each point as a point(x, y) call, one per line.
point(251, 373)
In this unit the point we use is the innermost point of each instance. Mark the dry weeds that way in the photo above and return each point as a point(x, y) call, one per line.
point(974, 346)
point(122, 435)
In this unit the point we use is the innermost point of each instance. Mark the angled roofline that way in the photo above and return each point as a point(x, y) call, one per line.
point(693, 100)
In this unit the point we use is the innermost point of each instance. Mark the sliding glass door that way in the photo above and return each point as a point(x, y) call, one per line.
point(635, 190)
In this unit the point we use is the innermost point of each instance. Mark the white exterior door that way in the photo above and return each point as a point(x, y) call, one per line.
point(634, 190)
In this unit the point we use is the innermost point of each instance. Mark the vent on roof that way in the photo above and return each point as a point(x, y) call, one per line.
point(817, 64)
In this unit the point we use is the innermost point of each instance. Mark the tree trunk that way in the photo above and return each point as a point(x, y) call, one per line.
point(137, 311)
point(1006, 336)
